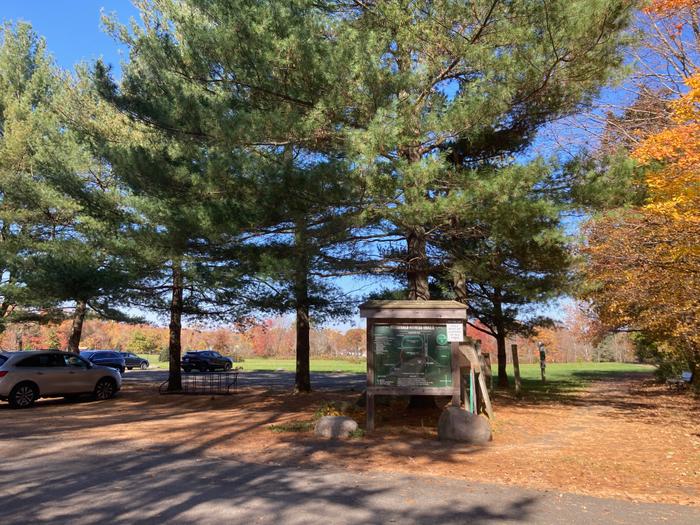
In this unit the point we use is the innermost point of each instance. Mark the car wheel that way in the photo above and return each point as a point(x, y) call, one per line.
point(227, 366)
point(144, 366)
point(105, 389)
point(23, 395)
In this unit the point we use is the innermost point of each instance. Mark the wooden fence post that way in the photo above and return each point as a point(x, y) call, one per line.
point(516, 369)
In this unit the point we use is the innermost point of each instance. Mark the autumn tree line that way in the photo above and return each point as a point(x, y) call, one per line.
point(269, 338)
point(251, 153)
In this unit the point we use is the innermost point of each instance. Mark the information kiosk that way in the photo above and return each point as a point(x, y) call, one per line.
point(413, 349)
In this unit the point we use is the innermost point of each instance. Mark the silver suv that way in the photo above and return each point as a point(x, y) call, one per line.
point(27, 376)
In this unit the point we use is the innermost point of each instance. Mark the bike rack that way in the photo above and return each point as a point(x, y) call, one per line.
point(205, 383)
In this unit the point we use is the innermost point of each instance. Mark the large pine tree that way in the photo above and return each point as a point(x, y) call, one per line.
point(58, 212)
point(440, 87)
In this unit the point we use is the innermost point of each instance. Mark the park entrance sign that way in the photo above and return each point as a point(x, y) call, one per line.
point(413, 349)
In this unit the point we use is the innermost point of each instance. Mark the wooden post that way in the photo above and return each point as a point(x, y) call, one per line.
point(543, 360)
point(456, 376)
point(478, 369)
point(370, 411)
point(516, 369)
point(472, 397)
point(369, 396)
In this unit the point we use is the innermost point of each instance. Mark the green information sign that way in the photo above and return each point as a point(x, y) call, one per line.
point(411, 356)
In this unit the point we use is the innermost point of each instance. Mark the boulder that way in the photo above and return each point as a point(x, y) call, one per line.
point(334, 427)
point(456, 424)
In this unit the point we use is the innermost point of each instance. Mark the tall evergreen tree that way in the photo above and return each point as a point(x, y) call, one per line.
point(56, 211)
point(444, 85)
point(226, 85)
point(514, 255)
point(312, 242)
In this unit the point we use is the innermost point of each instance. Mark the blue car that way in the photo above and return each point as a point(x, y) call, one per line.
point(105, 358)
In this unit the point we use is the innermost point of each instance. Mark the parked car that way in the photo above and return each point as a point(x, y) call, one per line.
point(105, 358)
point(131, 360)
point(205, 360)
point(27, 376)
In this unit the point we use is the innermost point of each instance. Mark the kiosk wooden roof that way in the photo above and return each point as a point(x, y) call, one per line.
point(451, 310)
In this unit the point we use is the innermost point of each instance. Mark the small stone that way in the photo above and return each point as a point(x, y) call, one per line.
point(334, 427)
point(456, 424)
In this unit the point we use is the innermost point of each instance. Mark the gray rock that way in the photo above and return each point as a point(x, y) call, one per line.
point(456, 424)
point(334, 427)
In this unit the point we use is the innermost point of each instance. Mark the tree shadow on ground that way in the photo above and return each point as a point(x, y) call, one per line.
point(569, 390)
point(144, 487)
point(633, 395)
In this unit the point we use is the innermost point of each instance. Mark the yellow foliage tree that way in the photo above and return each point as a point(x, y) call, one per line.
point(645, 263)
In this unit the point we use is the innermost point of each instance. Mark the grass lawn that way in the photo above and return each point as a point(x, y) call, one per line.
point(564, 378)
point(561, 377)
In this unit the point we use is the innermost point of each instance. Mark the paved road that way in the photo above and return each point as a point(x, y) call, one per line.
point(274, 380)
point(56, 483)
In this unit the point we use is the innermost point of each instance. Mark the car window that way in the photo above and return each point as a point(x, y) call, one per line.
point(43, 361)
point(216, 354)
point(2, 359)
point(75, 361)
point(112, 355)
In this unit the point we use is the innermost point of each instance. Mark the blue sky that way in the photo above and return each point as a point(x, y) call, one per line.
point(72, 28)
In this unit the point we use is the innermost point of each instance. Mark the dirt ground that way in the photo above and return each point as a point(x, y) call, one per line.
point(622, 437)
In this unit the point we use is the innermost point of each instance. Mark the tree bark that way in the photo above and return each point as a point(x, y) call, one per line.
point(302, 380)
point(516, 369)
point(76, 331)
point(175, 330)
point(417, 265)
point(4, 309)
point(459, 286)
point(499, 325)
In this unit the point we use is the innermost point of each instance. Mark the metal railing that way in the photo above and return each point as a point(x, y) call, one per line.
point(206, 383)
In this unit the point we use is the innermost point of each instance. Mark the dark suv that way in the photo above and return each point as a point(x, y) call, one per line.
point(105, 358)
point(205, 360)
point(133, 361)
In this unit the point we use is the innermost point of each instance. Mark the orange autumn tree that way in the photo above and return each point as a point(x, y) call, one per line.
point(645, 263)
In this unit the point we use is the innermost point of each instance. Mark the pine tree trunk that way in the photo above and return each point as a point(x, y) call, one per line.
point(417, 265)
point(302, 380)
point(459, 286)
point(175, 329)
point(500, 340)
point(4, 309)
point(76, 331)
